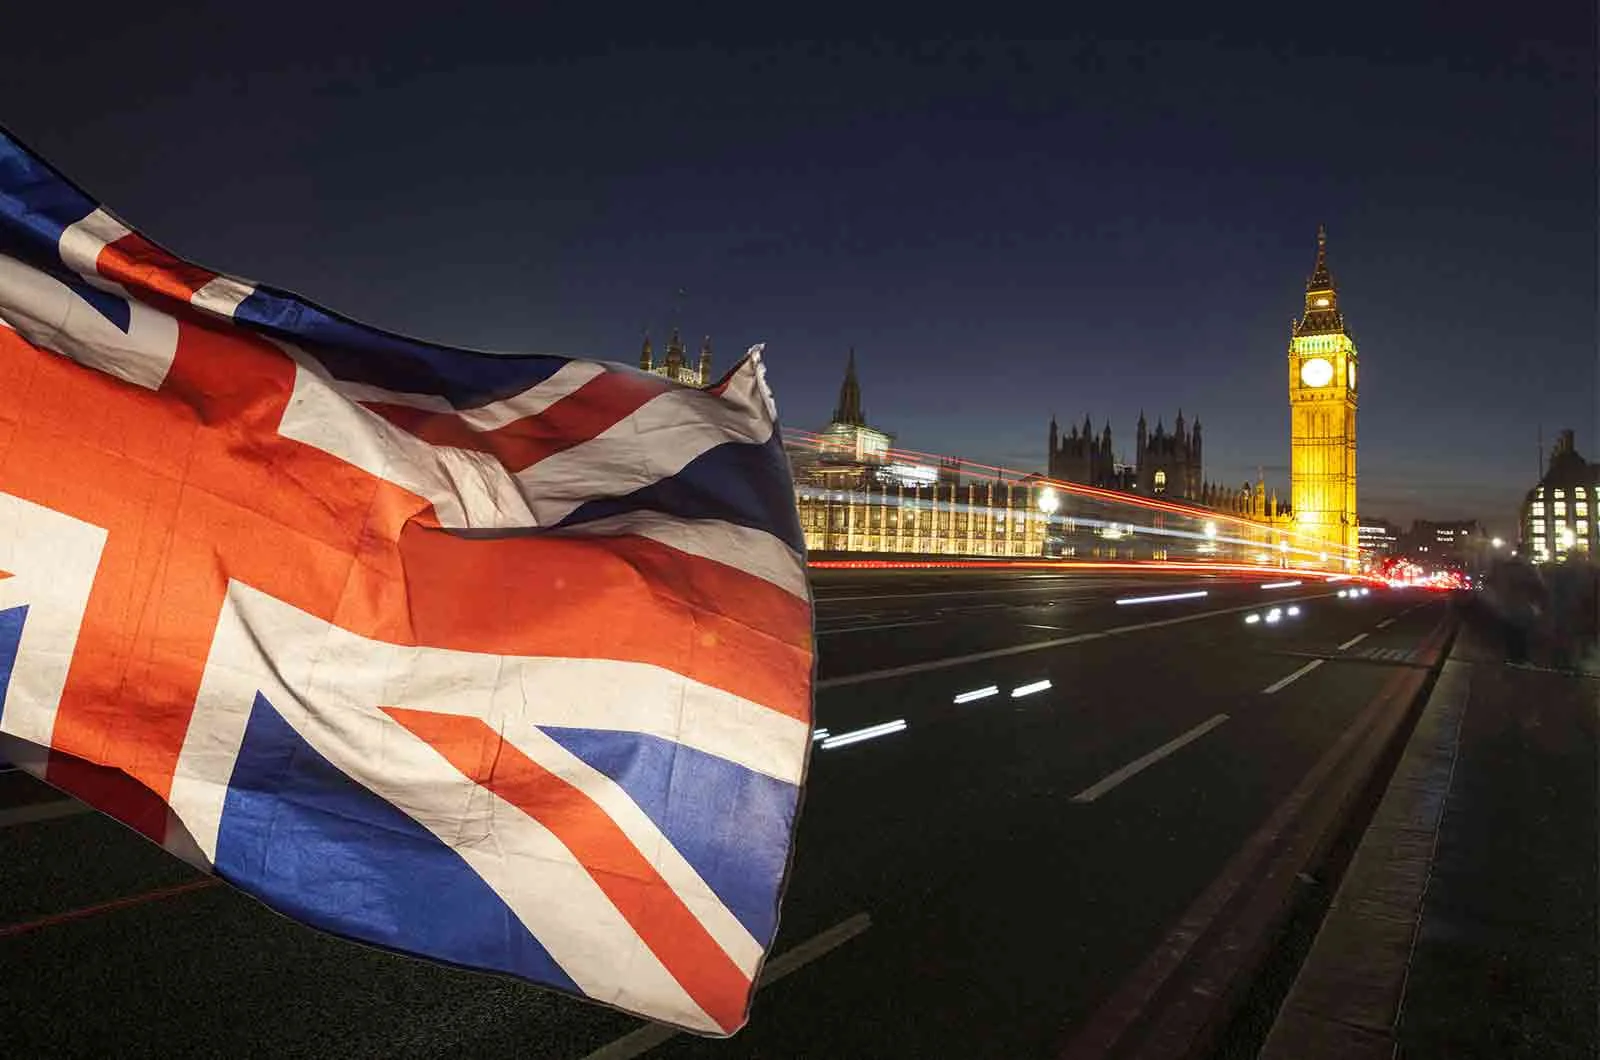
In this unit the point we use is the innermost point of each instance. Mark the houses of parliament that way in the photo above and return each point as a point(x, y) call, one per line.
point(855, 493)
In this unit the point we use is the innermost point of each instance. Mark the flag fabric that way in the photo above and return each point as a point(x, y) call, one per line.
point(505, 661)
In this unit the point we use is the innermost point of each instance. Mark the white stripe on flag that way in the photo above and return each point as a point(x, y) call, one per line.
point(466, 489)
point(53, 316)
point(656, 441)
point(753, 551)
point(494, 415)
point(52, 559)
point(222, 295)
point(718, 920)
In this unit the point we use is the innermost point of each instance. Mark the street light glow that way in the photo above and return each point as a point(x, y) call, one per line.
point(1049, 501)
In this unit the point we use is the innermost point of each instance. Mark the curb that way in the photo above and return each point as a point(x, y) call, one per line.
point(1182, 998)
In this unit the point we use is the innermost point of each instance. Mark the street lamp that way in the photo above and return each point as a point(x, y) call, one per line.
point(1211, 529)
point(1568, 538)
point(1049, 501)
point(1498, 542)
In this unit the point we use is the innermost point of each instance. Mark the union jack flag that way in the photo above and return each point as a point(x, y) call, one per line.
point(503, 661)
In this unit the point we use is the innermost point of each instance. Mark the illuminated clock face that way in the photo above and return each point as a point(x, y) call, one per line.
point(1316, 372)
point(1352, 375)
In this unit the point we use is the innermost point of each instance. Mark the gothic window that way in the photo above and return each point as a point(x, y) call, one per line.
point(1161, 482)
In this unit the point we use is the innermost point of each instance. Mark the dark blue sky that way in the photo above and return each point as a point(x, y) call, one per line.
point(1002, 230)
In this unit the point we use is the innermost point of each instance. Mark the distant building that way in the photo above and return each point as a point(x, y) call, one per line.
point(1165, 464)
point(1555, 518)
point(1443, 543)
point(1169, 464)
point(1377, 537)
point(1085, 458)
point(848, 439)
point(675, 365)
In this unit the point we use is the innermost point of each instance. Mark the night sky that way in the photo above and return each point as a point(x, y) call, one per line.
point(1001, 230)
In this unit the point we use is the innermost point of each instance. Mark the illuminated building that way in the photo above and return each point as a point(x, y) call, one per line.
point(847, 438)
point(1557, 519)
point(675, 365)
point(1322, 410)
point(1377, 537)
point(857, 495)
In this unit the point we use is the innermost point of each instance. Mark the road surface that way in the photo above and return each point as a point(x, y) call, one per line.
point(974, 883)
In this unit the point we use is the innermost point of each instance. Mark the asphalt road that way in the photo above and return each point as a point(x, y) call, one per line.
point(972, 884)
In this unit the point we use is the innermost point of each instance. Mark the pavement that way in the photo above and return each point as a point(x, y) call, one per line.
point(1466, 924)
point(982, 882)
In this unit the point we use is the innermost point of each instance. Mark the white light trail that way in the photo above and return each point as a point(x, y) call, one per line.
point(977, 694)
point(820, 734)
point(1251, 619)
point(1161, 599)
point(872, 732)
point(1280, 585)
point(1293, 611)
point(1030, 689)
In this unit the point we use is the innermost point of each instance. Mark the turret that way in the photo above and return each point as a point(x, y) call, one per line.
point(675, 357)
point(1143, 434)
point(705, 362)
point(646, 361)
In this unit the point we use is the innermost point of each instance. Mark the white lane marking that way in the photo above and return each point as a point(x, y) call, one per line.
point(646, 1038)
point(1162, 598)
point(1029, 689)
point(1386, 623)
point(871, 732)
point(42, 811)
point(1139, 765)
point(1280, 585)
point(864, 629)
point(1035, 625)
point(978, 693)
point(888, 672)
point(1353, 641)
point(1292, 678)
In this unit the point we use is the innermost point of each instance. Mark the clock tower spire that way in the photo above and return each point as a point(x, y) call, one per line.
point(1322, 422)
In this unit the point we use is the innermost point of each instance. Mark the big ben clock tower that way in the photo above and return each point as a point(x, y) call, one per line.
point(1322, 430)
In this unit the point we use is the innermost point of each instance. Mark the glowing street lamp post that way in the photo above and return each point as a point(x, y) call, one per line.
point(1049, 504)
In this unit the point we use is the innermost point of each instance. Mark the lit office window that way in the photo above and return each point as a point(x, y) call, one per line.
point(1538, 527)
point(1560, 493)
point(1561, 506)
point(1538, 507)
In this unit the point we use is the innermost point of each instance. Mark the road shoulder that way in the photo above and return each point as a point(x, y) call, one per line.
point(1466, 923)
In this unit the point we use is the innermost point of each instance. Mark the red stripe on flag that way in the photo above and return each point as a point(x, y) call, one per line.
point(141, 266)
point(626, 598)
point(599, 404)
point(649, 904)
